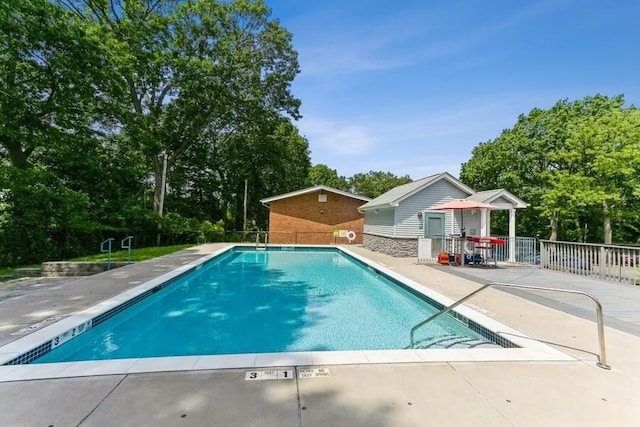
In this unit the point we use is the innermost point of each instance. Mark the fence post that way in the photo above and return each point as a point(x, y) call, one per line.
point(603, 262)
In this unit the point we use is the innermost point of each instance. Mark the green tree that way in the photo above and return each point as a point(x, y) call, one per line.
point(183, 68)
point(374, 183)
point(603, 154)
point(274, 160)
point(271, 155)
point(49, 65)
point(39, 216)
point(550, 158)
point(322, 174)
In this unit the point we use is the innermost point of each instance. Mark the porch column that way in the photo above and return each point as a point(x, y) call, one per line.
point(485, 230)
point(512, 235)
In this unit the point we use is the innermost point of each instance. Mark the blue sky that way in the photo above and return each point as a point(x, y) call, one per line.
point(410, 87)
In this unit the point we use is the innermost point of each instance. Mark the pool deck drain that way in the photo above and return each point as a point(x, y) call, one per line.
point(442, 393)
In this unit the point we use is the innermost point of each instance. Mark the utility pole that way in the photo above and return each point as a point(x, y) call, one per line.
point(244, 222)
point(163, 187)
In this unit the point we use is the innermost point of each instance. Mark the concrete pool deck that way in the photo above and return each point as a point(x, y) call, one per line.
point(416, 394)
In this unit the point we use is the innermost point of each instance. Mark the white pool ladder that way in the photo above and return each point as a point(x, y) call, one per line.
point(259, 244)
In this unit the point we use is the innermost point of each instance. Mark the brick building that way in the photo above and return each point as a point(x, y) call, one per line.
point(315, 215)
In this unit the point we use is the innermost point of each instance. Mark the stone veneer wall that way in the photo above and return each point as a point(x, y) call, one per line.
point(68, 268)
point(394, 246)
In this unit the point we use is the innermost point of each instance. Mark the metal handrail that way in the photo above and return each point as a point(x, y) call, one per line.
point(266, 237)
point(108, 250)
point(126, 243)
point(602, 356)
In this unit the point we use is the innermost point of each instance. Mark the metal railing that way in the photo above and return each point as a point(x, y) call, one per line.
point(613, 263)
point(525, 248)
point(105, 246)
point(260, 244)
point(602, 356)
point(127, 243)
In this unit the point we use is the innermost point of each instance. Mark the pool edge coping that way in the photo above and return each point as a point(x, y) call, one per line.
point(530, 349)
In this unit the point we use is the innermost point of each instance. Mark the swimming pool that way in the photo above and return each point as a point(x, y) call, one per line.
point(250, 301)
point(295, 302)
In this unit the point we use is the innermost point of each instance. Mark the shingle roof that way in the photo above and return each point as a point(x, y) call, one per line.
point(401, 192)
point(489, 196)
point(313, 189)
point(481, 196)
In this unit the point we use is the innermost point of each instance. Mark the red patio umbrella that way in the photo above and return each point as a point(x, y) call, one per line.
point(461, 205)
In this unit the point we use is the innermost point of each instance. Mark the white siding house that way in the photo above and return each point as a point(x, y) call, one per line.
point(394, 221)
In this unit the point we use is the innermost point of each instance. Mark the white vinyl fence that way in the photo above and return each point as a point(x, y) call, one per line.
point(607, 262)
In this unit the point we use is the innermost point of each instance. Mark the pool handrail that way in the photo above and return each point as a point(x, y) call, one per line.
point(602, 356)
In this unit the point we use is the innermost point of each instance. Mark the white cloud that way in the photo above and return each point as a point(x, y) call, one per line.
point(337, 138)
point(348, 56)
point(336, 49)
point(329, 48)
point(448, 82)
point(418, 144)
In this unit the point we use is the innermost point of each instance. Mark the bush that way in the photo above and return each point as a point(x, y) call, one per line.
point(176, 229)
point(40, 217)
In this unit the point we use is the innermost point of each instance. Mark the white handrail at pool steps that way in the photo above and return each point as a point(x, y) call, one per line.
point(260, 245)
point(602, 356)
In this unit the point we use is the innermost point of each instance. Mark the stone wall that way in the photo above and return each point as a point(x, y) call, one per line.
point(391, 246)
point(68, 268)
point(28, 272)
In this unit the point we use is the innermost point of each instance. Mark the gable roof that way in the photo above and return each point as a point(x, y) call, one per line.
point(394, 196)
point(489, 196)
point(311, 190)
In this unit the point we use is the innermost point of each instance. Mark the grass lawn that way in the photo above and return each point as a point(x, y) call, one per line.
point(140, 254)
point(6, 271)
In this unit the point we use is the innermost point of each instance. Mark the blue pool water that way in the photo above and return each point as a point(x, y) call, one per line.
point(248, 301)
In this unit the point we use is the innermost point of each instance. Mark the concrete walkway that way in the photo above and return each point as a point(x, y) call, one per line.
point(620, 303)
point(421, 394)
point(30, 304)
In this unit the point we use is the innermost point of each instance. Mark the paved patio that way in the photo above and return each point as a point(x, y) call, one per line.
point(620, 302)
point(417, 394)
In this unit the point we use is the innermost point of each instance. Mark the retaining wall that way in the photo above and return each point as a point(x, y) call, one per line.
point(68, 268)
point(397, 247)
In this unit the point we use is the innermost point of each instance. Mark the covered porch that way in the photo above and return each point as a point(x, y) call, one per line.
point(501, 199)
point(455, 225)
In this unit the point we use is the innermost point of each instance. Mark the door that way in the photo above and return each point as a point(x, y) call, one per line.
point(434, 225)
point(434, 229)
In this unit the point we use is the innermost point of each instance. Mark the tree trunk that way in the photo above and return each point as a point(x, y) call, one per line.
point(159, 182)
point(608, 235)
point(606, 222)
point(17, 157)
point(554, 227)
